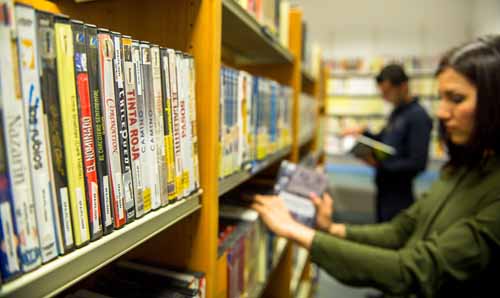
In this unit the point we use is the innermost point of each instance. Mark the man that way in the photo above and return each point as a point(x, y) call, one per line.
point(408, 130)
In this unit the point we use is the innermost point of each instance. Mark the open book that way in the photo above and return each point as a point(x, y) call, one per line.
point(294, 184)
point(363, 147)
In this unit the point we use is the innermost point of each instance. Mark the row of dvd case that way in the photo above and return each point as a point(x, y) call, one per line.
point(255, 119)
point(97, 129)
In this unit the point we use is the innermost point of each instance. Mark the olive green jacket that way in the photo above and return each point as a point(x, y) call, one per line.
point(447, 244)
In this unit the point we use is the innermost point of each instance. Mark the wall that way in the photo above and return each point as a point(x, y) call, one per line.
point(391, 27)
point(486, 17)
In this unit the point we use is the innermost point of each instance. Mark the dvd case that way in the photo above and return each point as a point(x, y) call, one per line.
point(16, 145)
point(71, 131)
point(123, 127)
point(36, 129)
point(49, 91)
point(141, 111)
point(128, 49)
point(172, 60)
point(9, 261)
point(159, 129)
point(194, 131)
point(167, 125)
point(111, 130)
point(92, 48)
point(86, 129)
point(150, 168)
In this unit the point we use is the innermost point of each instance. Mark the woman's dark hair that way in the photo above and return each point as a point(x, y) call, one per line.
point(479, 62)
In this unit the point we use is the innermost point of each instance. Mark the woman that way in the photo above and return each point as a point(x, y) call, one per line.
point(447, 244)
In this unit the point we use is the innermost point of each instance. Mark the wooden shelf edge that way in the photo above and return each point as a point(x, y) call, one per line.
point(65, 271)
point(275, 52)
point(234, 180)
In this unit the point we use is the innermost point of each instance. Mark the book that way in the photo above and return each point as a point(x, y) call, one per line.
point(129, 48)
point(294, 184)
point(57, 168)
point(123, 127)
point(71, 130)
point(363, 147)
point(111, 130)
point(35, 121)
point(98, 124)
point(86, 129)
point(168, 126)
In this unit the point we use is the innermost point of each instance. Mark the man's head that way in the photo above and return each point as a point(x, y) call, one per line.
point(392, 82)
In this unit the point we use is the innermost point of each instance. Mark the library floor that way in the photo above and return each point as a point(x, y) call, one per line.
point(352, 188)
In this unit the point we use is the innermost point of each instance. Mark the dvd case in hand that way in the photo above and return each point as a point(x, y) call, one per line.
point(128, 48)
point(9, 242)
point(159, 129)
point(71, 130)
point(123, 127)
point(86, 129)
point(167, 125)
point(50, 95)
point(16, 145)
point(37, 135)
point(111, 131)
point(98, 124)
point(150, 168)
point(141, 110)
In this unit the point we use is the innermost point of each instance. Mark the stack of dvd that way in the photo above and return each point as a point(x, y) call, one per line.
point(255, 119)
point(96, 129)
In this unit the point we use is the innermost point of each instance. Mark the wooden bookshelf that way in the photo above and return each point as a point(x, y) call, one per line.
point(214, 32)
point(66, 270)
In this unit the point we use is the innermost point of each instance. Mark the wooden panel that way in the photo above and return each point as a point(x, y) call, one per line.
point(295, 43)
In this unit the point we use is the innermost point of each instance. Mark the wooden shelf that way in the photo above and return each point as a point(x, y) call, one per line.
point(305, 140)
point(230, 182)
point(65, 271)
point(376, 96)
point(351, 74)
point(248, 40)
point(307, 77)
point(358, 115)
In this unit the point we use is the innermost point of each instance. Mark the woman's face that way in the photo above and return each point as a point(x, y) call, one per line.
point(457, 105)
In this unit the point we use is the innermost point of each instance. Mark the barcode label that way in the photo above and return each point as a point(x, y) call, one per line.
point(81, 215)
point(66, 220)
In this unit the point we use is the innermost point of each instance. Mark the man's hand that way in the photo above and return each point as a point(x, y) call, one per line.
point(324, 211)
point(371, 161)
point(353, 131)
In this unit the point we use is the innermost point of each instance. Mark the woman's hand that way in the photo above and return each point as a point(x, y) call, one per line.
point(324, 211)
point(275, 214)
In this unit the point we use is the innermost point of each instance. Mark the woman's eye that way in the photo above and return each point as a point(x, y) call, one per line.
point(457, 98)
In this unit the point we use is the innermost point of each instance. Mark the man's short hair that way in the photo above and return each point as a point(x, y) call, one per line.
point(393, 73)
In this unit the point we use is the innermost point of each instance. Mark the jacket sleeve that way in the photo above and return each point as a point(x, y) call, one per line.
point(458, 253)
point(393, 234)
point(419, 132)
point(375, 136)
